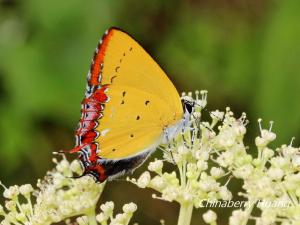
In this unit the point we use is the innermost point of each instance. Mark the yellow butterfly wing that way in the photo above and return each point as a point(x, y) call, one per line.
point(142, 100)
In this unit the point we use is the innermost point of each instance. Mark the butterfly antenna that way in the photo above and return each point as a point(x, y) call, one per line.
point(60, 152)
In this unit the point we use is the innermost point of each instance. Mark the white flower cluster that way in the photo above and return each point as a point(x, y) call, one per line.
point(58, 198)
point(207, 156)
point(271, 183)
point(190, 152)
point(206, 153)
point(106, 217)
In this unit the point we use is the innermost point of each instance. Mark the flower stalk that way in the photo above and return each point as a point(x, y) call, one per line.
point(185, 214)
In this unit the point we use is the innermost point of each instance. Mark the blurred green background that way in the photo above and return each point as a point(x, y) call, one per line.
point(244, 52)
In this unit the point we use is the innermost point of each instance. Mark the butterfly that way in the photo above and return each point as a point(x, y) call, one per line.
point(130, 107)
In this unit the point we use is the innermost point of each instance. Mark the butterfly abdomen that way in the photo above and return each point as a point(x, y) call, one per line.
point(96, 170)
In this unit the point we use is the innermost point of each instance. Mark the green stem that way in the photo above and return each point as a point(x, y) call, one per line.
point(91, 217)
point(248, 211)
point(185, 213)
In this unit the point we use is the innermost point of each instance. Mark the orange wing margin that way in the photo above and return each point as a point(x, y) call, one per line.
point(94, 77)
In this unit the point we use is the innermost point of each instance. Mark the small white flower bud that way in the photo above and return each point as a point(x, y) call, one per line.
point(158, 183)
point(226, 140)
point(170, 178)
point(225, 194)
point(83, 220)
point(240, 130)
point(76, 167)
point(209, 217)
point(208, 184)
point(289, 150)
point(201, 165)
point(156, 166)
point(182, 150)
point(101, 217)
point(225, 159)
point(120, 218)
point(238, 217)
point(11, 192)
point(196, 115)
point(10, 205)
point(178, 158)
point(275, 173)
point(216, 172)
point(268, 153)
point(107, 207)
point(63, 166)
point(243, 172)
point(296, 161)
point(129, 208)
point(144, 180)
point(217, 115)
point(279, 161)
point(26, 189)
point(170, 193)
point(268, 135)
point(260, 142)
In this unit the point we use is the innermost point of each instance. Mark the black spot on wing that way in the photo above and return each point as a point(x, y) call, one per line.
point(138, 117)
point(147, 102)
point(131, 135)
point(112, 79)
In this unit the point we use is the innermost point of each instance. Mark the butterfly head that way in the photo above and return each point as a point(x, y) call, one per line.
point(194, 104)
point(188, 104)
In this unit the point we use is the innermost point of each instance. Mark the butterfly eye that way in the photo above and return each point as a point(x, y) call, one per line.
point(189, 106)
